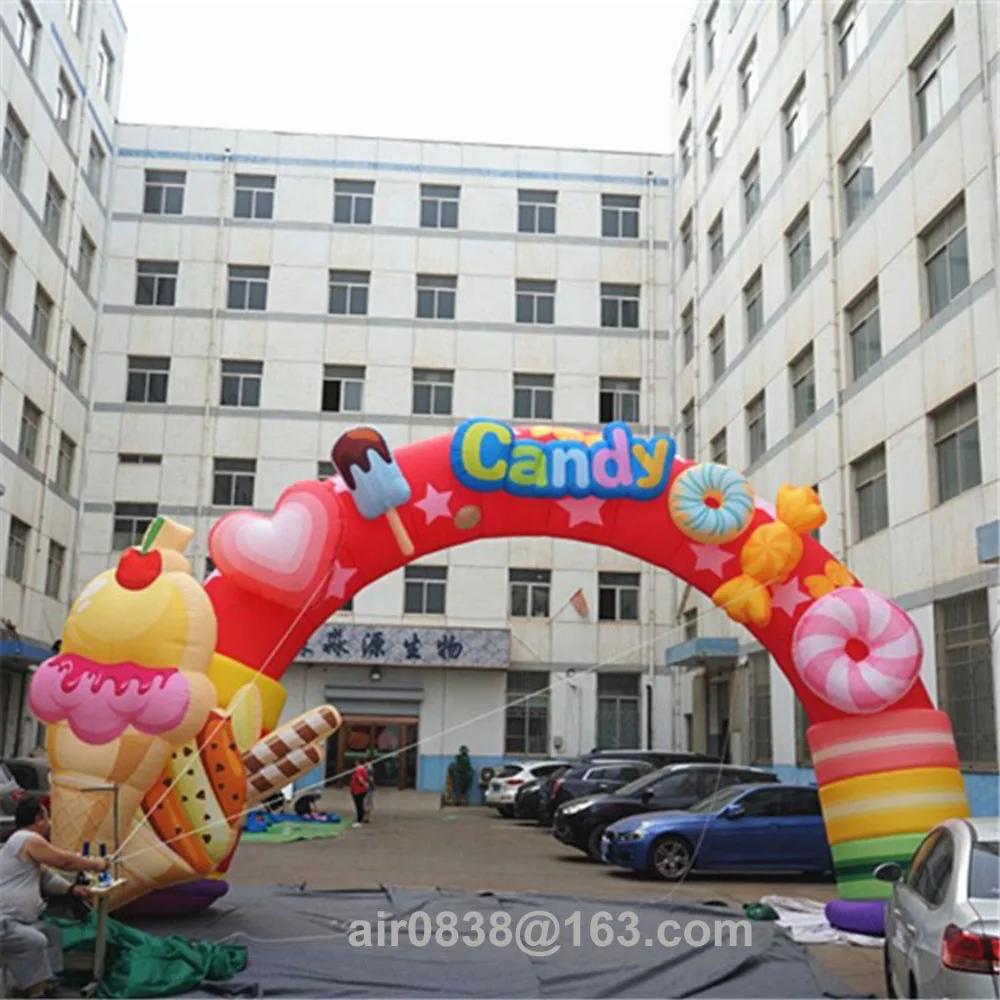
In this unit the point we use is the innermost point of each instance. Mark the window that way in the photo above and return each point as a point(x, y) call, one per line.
point(956, 446)
point(31, 426)
point(349, 293)
point(617, 711)
point(85, 262)
point(936, 78)
point(717, 350)
point(946, 258)
point(424, 590)
point(65, 102)
point(748, 76)
point(685, 150)
point(799, 250)
point(41, 318)
point(620, 216)
point(233, 482)
point(618, 597)
point(130, 522)
point(54, 569)
point(858, 178)
point(687, 332)
point(687, 425)
point(536, 211)
point(147, 379)
point(74, 14)
point(439, 206)
point(17, 550)
point(753, 305)
point(240, 384)
point(712, 141)
point(690, 624)
point(26, 28)
point(794, 116)
point(756, 429)
point(436, 296)
point(802, 375)
point(532, 396)
point(65, 460)
point(352, 202)
point(529, 593)
point(759, 750)
point(966, 682)
point(164, 192)
point(789, 14)
point(75, 361)
point(247, 287)
point(871, 490)
point(52, 212)
point(95, 165)
point(526, 719)
point(852, 35)
point(751, 189)
point(620, 306)
point(684, 81)
point(803, 757)
point(343, 389)
point(15, 143)
point(156, 282)
point(716, 244)
point(710, 38)
point(254, 196)
point(132, 458)
point(619, 400)
point(535, 301)
point(7, 256)
point(432, 391)
point(105, 69)
point(687, 241)
point(863, 331)
point(718, 451)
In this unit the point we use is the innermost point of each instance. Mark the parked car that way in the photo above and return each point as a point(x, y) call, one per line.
point(510, 777)
point(769, 827)
point(594, 777)
point(582, 822)
point(527, 800)
point(21, 778)
point(942, 922)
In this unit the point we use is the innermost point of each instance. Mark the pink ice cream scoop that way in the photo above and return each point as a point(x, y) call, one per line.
point(99, 701)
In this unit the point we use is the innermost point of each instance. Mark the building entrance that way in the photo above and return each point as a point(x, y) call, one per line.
point(383, 737)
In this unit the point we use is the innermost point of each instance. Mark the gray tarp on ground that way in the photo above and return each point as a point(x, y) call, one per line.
point(299, 947)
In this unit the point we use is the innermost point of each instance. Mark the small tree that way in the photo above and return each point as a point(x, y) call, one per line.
point(462, 775)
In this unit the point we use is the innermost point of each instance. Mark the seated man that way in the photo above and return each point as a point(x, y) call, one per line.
point(30, 948)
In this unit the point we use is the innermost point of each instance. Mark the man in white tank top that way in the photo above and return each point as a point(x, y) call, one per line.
point(29, 948)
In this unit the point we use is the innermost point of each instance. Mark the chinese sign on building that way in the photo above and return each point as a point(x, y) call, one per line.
point(408, 647)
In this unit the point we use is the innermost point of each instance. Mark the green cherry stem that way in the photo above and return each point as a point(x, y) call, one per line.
point(151, 532)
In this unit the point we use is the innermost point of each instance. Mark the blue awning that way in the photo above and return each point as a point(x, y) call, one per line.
point(706, 651)
point(23, 654)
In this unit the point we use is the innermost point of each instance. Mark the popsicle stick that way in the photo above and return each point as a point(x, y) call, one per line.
point(399, 532)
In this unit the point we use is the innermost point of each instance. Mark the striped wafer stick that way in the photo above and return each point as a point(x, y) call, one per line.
point(311, 727)
point(282, 772)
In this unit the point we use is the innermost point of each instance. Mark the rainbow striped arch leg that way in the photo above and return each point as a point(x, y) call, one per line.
point(884, 781)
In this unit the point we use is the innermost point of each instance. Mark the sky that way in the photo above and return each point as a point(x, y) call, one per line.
point(583, 75)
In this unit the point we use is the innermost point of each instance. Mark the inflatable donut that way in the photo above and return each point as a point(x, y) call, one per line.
point(711, 504)
point(857, 651)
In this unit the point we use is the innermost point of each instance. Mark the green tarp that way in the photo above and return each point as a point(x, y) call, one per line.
point(138, 964)
point(286, 833)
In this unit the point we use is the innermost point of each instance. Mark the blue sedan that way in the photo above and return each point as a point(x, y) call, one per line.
point(741, 828)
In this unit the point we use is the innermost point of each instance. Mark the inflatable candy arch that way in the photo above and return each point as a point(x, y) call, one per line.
point(174, 690)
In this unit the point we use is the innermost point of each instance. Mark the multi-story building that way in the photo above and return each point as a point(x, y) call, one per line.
point(836, 317)
point(60, 64)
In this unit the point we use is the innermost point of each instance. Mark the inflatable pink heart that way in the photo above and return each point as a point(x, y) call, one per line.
point(285, 556)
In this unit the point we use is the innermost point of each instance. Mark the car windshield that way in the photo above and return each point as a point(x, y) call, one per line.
point(717, 801)
point(637, 786)
point(984, 870)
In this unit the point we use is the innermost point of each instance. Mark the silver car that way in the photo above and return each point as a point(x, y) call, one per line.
point(942, 923)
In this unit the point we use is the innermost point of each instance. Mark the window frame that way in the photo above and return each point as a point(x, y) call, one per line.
point(427, 581)
point(151, 372)
point(426, 381)
point(794, 120)
point(157, 281)
point(753, 305)
point(718, 447)
point(963, 436)
point(343, 388)
point(620, 393)
point(941, 237)
point(535, 299)
point(748, 76)
point(537, 389)
point(851, 26)
point(756, 418)
point(713, 139)
point(18, 542)
point(65, 104)
point(523, 586)
point(876, 479)
point(717, 350)
point(929, 69)
point(86, 258)
point(15, 148)
point(688, 430)
point(439, 206)
point(53, 210)
point(76, 359)
point(55, 564)
point(349, 288)
point(687, 241)
point(65, 462)
point(233, 482)
point(26, 32)
point(163, 192)
point(41, 318)
point(258, 194)
point(537, 211)
point(30, 431)
point(138, 516)
point(687, 332)
point(437, 297)
point(798, 241)
point(247, 287)
point(802, 381)
point(858, 325)
point(353, 201)
point(531, 692)
point(622, 587)
point(620, 306)
point(716, 245)
point(750, 185)
point(620, 216)
point(240, 383)
point(855, 169)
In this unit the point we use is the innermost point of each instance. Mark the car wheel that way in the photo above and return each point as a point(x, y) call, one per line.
point(594, 843)
point(671, 858)
point(890, 990)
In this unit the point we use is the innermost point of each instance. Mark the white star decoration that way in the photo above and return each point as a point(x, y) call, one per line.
point(339, 579)
point(788, 596)
point(584, 511)
point(711, 558)
point(435, 504)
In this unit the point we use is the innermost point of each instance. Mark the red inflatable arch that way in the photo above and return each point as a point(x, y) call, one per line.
point(885, 758)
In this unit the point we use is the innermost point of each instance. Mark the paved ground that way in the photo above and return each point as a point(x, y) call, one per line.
point(412, 842)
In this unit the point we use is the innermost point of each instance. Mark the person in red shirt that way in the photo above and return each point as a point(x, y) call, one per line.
point(359, 790)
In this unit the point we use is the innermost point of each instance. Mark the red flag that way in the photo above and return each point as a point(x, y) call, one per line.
point(579, 602)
